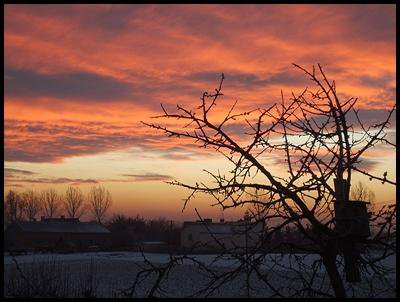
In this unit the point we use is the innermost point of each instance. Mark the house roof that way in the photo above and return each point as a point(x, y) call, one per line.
point(220, 228)
point(216, 228)
point(61, 227)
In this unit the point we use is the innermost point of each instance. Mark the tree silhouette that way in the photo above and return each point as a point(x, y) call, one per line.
point(99, 201)
point(74, 202)
point(321, 140)
point(32, 205)
point(14, 206)
point(50, 200)
point(361, 192)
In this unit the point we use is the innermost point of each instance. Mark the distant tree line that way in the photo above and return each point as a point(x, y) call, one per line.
point(30, 204)
point(129, 232)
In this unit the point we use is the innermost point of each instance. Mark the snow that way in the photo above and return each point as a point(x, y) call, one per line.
point(208, 259)
point(117, 270)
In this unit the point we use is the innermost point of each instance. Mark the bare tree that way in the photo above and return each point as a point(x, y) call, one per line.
point(14, 205)
point(32, 204)
point(50, 200)
point(361, 192)
point(74, 202)
point(99, 201)
point(321, 140)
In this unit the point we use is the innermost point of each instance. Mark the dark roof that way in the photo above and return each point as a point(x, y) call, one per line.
point(221, 228)
point(215, 228)
point(61, 227)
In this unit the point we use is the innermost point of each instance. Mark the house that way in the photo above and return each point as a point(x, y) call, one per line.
point(52, 234)
point(208, 236)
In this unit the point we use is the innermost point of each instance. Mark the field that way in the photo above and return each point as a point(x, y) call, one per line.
point(108, 274)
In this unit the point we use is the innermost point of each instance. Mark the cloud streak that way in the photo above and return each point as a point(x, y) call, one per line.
point(43, 141)
point(149, 177)
point(23, 178)
point(11, 172)
point(79, 85)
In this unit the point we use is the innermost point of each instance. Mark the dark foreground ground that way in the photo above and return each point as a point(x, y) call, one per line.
point(113, 276)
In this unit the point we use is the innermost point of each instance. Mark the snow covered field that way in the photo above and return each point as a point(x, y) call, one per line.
point(113, 271)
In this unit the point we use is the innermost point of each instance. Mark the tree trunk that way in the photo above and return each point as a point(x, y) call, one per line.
point(350, 262)
point(329, 260)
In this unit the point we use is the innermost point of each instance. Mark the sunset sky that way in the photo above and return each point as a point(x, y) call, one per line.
point(80, 78)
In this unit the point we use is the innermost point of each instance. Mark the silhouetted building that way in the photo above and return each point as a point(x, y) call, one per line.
point(208, 236)
point(56, 234)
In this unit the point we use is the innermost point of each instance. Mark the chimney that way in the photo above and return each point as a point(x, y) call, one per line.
point(42, 218)
point(62, 217)
point(222, 220)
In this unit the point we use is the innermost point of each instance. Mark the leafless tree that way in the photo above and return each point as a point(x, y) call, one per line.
point(361, 192)
point(50, 200)
point(99, 201)
point(14, 205)
point(322, 139)
point(32, 204)
point(74, 202)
